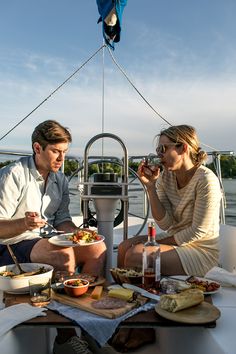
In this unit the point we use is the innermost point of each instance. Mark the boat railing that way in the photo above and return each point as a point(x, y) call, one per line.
point(216, 159)
point(216, 155)
point(134, 188)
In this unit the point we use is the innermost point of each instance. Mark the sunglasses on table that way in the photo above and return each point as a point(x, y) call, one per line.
point(162, 148)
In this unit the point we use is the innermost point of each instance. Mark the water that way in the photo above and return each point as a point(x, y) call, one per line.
point(230, 194)
point(136, 198)
point(75, 202)
point(136, 202)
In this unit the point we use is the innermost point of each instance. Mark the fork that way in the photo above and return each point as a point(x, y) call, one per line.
point(54, 229)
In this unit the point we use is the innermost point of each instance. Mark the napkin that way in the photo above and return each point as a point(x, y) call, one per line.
point(222, 276)
point(100, 328)
point(15, 314)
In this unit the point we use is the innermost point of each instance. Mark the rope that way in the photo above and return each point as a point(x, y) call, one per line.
point(126, 76)
point(52, 93)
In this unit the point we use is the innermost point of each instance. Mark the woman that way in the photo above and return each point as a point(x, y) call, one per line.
point(185, 203)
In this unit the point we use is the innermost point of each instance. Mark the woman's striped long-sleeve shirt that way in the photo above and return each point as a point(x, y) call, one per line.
point(192, 217)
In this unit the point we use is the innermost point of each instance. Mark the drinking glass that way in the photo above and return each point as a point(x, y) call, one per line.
point(168, 286)
point(40, 291)
point(59, 277)
point(152, 161)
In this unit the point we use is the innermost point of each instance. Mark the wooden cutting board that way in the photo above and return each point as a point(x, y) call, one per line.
point(84, 302)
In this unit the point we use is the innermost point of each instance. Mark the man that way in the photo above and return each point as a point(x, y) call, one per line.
point(33, 192)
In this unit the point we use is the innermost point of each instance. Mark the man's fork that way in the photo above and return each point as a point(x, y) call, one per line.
point(54, 229)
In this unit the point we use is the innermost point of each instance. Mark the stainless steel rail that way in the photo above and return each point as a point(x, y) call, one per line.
point(124, 176)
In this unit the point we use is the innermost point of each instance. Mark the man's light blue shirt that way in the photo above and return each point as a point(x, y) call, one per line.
point(22, 189)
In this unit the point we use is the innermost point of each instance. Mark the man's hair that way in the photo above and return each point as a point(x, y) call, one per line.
point(50, 132)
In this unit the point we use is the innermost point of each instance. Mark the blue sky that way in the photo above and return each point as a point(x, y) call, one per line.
point(180, 54)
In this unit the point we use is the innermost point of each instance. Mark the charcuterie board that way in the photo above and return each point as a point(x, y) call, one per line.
point(85, 301)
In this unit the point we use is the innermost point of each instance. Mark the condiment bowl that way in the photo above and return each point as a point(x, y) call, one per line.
point(76, 287)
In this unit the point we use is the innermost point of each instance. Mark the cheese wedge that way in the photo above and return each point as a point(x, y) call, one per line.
point(97, 292)
point(177, 302)
point(121, 293)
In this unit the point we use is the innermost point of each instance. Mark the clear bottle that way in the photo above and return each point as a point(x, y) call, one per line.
point(151, 265)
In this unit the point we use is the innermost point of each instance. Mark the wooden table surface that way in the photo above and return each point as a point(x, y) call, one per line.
point(143, 319)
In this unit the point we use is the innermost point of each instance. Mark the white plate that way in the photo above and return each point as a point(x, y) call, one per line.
point(184, 277)
point(62, 240)
point(209, 281)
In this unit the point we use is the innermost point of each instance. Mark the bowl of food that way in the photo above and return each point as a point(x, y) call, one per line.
point(13, 282)
point(125, 275)
point(75, 287)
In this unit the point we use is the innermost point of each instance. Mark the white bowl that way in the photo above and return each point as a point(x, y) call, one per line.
point(21, 285)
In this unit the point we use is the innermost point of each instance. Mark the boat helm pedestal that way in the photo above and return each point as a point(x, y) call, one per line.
point(105, 208)
point(105, 191)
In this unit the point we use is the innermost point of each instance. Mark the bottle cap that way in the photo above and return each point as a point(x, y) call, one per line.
point(151, 229)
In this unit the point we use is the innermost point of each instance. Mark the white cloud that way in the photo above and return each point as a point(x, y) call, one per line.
point(204, 102)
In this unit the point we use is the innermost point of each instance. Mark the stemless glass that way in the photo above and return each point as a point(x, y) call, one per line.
point(59, 277)
point(152, 161)
point(168, 286)
point(40, 291)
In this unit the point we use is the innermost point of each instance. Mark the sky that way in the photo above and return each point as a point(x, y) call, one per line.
point(179, 54)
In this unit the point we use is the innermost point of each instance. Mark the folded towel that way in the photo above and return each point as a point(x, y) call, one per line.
point(222, 276)
point(13, 315)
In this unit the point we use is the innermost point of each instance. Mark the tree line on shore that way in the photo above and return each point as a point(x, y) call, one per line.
point(228, 167)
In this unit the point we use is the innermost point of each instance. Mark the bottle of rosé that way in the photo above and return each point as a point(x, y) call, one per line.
point(151, 265)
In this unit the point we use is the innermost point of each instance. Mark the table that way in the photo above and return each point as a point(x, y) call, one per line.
point(149, 319)
point(170, 338)
point(52, 319)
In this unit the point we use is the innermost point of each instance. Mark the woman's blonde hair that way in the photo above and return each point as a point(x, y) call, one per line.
point(186, 134)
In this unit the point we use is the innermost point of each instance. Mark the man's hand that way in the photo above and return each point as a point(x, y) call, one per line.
point(33, 221)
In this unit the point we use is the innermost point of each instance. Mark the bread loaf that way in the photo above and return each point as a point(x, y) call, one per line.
point(183, 300)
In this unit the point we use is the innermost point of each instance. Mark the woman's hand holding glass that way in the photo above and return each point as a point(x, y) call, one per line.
point(149, 170)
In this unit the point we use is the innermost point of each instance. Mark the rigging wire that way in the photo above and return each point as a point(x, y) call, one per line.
point(145, 100)
point(131, 83)
point(103, 84)
point(103, 89)
point(103, 93)
point(52, 93)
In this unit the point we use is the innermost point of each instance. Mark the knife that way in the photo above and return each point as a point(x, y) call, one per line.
point(141, 291)
point(184, 279)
